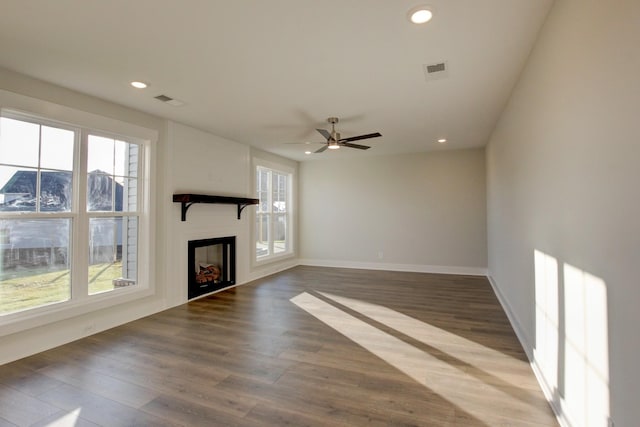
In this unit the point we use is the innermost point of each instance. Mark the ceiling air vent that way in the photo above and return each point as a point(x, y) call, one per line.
point(168, 100)
point(439, 70)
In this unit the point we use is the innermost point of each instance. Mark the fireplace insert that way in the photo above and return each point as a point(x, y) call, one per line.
point(212, 265)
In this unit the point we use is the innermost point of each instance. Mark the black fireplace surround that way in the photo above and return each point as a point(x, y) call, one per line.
point(212, 265)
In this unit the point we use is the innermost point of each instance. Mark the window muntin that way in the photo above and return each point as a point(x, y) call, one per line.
point(37, 266)
point(112, 168)
point(36, 163)
point(273, 216)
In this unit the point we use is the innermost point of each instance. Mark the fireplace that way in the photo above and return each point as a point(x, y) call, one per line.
point(212, 265)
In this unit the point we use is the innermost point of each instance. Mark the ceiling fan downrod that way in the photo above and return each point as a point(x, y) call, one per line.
point(335, 136)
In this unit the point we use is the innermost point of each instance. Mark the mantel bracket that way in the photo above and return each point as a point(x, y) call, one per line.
point(185, 208)
point(241, 206)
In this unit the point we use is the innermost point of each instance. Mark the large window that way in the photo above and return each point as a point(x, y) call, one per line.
point(69, 213)
point(273, 215)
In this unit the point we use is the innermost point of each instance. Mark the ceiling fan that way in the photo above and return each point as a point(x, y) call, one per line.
point(334, 141)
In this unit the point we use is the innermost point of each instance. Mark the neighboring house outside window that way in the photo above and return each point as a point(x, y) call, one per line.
point(69, 213)
point(273, 214)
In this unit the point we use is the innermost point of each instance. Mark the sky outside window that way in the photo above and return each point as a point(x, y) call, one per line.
point(25, 145)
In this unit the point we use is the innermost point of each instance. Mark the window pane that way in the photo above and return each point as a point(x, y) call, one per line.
point(262, 235)
point(113, 253)
point(272, 219)
point(99, 192)
point(55, 191)
point(100, 155)
point(18, 190)
point(106, 191)
point(279, 192)
point(19, 142)
point(17, 193)
point(264, 201)
point(263, 190)
point(263, 180)
point(126, 159)
point(126, 194)
point(34, 263)
point(280, 234)
point(56, 151)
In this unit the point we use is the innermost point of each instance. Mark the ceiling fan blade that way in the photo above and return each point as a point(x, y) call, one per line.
point(359, 137)
point(358, 146)
point(324, 133)
point(321, 149)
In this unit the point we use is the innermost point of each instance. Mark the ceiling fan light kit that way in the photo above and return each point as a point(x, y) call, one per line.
point(420, 14)
point(139, 84)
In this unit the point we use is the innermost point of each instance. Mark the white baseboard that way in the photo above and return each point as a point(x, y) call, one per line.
point(414, 268)
point(527, 345)
point(523, 337)
point(548, 394)
point(269, 269)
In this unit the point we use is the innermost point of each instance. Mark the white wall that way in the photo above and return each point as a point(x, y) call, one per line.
point(562, 178)
point(200, 162)
point(414, 212)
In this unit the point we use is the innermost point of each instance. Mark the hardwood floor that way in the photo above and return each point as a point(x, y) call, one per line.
point(307, 347)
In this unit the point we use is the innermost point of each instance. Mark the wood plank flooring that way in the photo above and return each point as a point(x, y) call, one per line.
point(310, 346)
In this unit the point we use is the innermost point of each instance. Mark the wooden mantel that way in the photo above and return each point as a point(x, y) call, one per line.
point(189, 199)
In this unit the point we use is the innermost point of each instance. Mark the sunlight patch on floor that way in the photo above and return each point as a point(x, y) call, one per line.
point(487, 359)
point(453, 384)
point(68, 420)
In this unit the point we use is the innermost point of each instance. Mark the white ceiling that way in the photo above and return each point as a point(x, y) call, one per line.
point(266, 73)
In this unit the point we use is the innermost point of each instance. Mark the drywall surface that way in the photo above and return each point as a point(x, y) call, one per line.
point(563, 208)
point(415, 212)
point(200, 162)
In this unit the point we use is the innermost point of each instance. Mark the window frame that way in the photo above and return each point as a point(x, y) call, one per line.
point(289, 214)
point(80, 301)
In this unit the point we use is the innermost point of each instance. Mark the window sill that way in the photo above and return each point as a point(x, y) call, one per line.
point(273, 259)
point(33, 318)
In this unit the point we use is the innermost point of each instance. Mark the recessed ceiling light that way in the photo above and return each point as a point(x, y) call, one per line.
point(307, 152)
point(333, 146)
point(442, 140)
point(139, 85)
point(420, 15)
